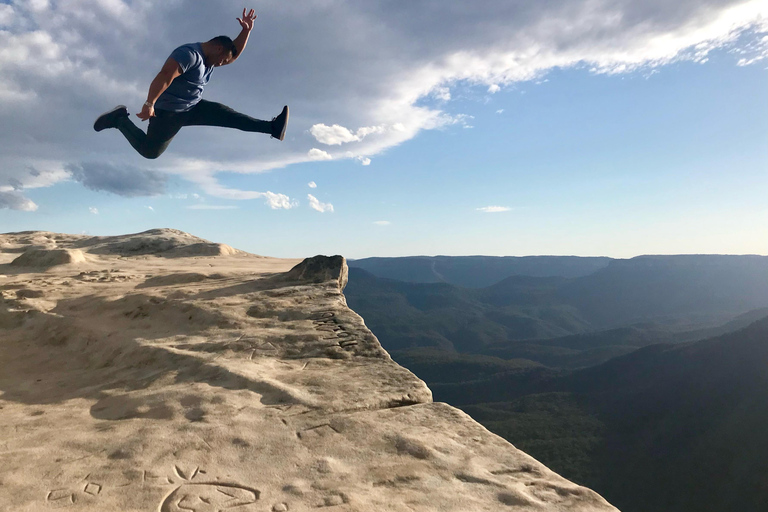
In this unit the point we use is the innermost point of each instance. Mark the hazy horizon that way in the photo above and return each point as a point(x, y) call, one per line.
point(351, 258)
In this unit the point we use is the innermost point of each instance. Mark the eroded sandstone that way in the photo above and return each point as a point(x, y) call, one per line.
point(161, 373)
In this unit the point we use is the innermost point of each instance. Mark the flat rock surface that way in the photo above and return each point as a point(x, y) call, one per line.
point(162, 372)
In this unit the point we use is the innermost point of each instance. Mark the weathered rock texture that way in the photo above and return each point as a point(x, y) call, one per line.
point(131, 381)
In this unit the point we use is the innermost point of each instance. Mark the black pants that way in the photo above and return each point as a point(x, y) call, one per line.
point(166, 124)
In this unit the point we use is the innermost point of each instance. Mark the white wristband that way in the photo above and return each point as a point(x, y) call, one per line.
point(148, 104)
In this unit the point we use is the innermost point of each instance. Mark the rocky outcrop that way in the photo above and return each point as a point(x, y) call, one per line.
point(227, 382)
point(45, 258)
point(320, 269)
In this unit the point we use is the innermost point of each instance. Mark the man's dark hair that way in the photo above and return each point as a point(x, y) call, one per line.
point(226, 43)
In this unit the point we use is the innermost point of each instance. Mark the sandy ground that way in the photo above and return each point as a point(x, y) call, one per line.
point(162, 372)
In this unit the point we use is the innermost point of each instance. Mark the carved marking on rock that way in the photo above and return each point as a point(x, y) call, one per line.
point(148, 478)
point(209, 497)
point(525, 468)
point(188, 475)
point(473, 479)
point(333, 499)
point(397, 481)
point(317, 431)
point(327, 322)
point(60, 497)
point(92, 489)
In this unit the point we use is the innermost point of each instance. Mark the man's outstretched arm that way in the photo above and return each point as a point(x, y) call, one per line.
point(162, 81)
point(246, 22)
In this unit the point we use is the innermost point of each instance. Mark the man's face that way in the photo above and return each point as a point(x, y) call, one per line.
point(221, 57)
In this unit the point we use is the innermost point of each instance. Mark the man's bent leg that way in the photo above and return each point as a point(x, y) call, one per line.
point(161, 130)
point(210, 113)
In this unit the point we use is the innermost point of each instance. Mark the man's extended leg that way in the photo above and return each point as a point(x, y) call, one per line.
point(162, 128)
point(210, 113)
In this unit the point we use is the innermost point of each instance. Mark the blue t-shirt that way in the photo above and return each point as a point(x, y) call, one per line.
point(187, 89)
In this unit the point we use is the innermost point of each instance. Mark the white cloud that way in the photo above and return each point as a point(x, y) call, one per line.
point(494, 88)
point(332, 135)
point(319, 154)
point(500, 111)
point(150, 208)
point(337, 135)
point(382, 223)
point(39, 5)
point(315, 204)
point(93, 210)
point(442, 93)
point(312, 184)
point(279, 201)
point(494, 209)
point(65, 61)
point(6, 15)
point(211, 207)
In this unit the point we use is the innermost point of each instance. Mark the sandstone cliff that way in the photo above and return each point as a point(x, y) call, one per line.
point(162, 372)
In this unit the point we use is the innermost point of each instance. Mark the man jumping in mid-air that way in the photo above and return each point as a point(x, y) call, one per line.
point(175, 97)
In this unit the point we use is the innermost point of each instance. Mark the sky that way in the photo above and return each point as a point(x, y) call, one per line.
point(500, 127)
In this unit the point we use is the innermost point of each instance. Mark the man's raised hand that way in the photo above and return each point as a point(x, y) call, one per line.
point(247, 20)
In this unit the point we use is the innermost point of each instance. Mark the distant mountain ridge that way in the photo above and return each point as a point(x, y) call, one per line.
point(616, 309)
point(477, 271)
point(654, 287)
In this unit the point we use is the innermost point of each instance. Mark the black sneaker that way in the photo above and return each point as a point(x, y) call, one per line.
point(279, 124)
point(109, 119)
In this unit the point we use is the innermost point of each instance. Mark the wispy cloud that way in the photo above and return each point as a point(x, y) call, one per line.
point(16, 201)
point(494, 209)
point(123, 180)
point(214, 188)
point(315, 204)
point(312, 184)
point(382, 223)
point(93, 210)
point(211, 207)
